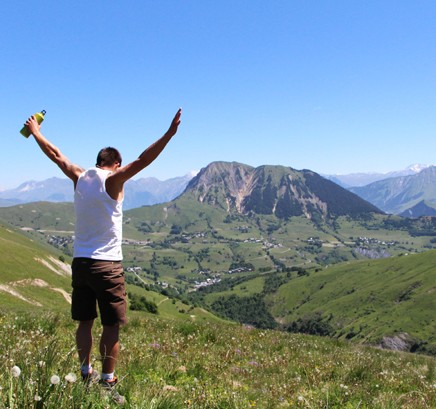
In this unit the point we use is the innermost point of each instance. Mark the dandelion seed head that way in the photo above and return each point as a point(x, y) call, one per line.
point(54, 380)
point(16, 371)
point(71, 377)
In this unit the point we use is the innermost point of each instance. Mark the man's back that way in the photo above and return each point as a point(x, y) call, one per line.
point(98, 218)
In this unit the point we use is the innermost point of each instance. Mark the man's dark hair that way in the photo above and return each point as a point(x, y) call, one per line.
point(108, 157)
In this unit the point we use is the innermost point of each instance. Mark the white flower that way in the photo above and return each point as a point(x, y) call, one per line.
point(16, 371)
point(71, 377)
point(37, 398)
point(170, 388)
point(54, 380)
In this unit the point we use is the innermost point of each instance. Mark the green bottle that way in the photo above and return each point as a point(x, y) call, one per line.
point(39, 118)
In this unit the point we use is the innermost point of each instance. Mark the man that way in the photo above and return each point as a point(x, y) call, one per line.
point(97, 273)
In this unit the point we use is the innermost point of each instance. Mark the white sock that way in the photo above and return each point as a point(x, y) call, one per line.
point(107, 376)
point(86, 369)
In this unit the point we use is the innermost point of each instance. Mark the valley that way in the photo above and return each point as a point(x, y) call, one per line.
point(261, 246)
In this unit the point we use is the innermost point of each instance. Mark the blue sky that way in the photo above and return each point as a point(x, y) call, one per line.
point(333, 86)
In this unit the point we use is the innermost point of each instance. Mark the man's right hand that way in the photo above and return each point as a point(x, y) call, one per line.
point(175, 123)
point(33, 125)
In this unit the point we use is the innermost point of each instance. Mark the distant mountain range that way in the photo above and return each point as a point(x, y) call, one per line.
point(410, 192)
point(140, 192)
point(365, 178)
point(410, 196)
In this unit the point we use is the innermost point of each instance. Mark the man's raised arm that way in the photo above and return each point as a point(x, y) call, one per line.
point(53, 153)
point(124, 173)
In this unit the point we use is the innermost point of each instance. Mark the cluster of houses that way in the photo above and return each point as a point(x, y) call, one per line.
point(60, 241)
point(372, 241)
point(207, 282)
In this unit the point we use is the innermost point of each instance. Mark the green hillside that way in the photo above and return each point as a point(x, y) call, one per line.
point(197, 254)
point(184, 357)
point(41, 216)
point(367, 300)
point(32, 276)
point(373, 302)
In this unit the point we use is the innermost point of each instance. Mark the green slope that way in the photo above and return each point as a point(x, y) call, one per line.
point(184, 242)
point(366, 300)
point(41, 216)
point(32, 277)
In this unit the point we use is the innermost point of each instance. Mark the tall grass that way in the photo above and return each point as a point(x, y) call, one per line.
point(167, 364)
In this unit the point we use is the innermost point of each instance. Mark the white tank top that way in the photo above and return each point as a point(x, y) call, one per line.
point(99, 218)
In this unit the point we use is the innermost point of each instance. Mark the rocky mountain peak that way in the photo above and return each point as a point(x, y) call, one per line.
point(277, 190)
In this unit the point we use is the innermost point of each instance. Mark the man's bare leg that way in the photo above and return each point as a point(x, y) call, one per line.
point(109, 347)
point(84, 341)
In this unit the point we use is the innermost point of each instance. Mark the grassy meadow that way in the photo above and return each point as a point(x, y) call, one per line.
point(167, 363)
point(185, 357)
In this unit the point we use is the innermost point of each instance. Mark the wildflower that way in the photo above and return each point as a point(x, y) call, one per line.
point(170, 388)
point(16, 371)
point(154, 345)
point(71, 377)
point(37, 398)
point(54, 380)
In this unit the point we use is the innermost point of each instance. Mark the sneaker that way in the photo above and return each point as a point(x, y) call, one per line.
point(91, 377)
point(109, 387)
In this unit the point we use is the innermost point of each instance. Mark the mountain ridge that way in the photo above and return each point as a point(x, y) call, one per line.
point(150, 191)
point(268, 189)
point(359, 179)
point(397, 195)
point(139, 192)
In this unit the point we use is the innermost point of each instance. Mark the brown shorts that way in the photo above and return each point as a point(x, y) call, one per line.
point(102, 282)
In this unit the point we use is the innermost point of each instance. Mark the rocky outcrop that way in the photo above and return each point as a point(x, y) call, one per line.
point(399, 342)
